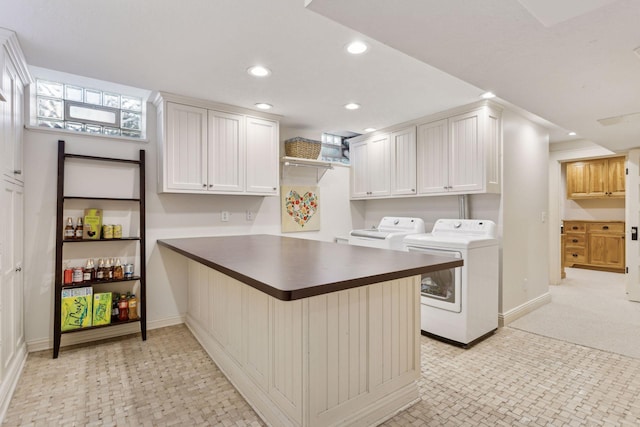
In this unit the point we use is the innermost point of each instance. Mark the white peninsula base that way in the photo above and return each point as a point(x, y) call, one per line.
point(350, 357)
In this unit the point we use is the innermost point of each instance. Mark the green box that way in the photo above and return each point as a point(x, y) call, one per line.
point(101, 309)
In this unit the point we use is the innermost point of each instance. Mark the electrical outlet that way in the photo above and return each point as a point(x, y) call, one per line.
point(249, 215)
point(224, 216)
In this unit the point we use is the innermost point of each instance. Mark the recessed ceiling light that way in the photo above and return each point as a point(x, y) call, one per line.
point(488, 95)
point(264, 106)
point(572, 134)
point(357, 47)
point(370, 130)
point(258, 71)
point(352, 106)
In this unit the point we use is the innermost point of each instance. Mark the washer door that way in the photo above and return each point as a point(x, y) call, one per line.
point(441, 289)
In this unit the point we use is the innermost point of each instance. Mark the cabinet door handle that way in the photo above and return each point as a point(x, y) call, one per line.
point(575, 227)
point(574, 255)
point(18, 269)
point(574, 240)
point(17, 172)
point(605, 227)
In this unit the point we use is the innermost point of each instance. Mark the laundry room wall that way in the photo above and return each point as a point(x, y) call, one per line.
point(168, 216)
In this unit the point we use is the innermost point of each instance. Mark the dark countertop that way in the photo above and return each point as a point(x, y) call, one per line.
point(288, 268)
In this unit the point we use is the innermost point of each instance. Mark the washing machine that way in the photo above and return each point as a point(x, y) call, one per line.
point(459, 305)
point(389, 233)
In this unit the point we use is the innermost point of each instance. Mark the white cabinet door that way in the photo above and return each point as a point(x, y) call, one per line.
point(11, 275)
point(433, 157)
point(226, 150)
point(403, 161)
point(262, 156)
point(11, 149)
point(186, 148)
point(359, 176)
point(466, 162)
point(379, 166)
point(370, 168)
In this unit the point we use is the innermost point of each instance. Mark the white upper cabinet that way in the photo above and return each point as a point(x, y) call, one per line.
point(460, 154)
point(226, 151)
point(403, 161)
point(456, 152)
point(433, 157)
point(262, 145)
point(14, 76)
point(204, 149)
point(371, 168)
point(186, 148)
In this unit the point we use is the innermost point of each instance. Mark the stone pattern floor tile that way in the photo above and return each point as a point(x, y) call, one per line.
point(514, 378)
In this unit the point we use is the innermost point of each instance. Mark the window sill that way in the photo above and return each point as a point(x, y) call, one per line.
point(83, 134)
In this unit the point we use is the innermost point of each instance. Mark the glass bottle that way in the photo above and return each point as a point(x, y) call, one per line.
point(100, 272)
point(79, 229)
point(89, 273)
point(115, 311)
point(133, 307)
point(118, 270)
point(69, 231)
point(123, 308)
point(108, 269)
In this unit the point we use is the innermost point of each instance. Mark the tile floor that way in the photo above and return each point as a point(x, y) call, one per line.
point(514, 378)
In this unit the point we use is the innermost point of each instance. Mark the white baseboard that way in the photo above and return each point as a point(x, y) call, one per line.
point(8, 385)
point(519, 311)
point(101, 334)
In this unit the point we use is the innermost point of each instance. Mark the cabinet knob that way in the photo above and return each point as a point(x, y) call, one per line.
point(575, 240)
point(17, 172)
point(605, 227)
point(204, 185)
point(574, 227)
point(274, 188)
point(574, 255)
point(210, 185)
point(413, 190)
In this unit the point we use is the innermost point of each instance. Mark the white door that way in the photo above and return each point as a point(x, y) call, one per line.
point(262, 156)
point(226, 135)
point(379, 166)
point(433, 158)
point(632, 221)
point(11, 264)
point(403, 161)
point(466, 162)
point(186, 148)
point(359, 177)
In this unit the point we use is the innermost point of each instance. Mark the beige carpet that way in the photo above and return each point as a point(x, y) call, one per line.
point(589, 308)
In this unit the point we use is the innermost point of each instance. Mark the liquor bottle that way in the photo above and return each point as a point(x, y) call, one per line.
point(133, 307)
point(89, 273)
point(79, 229)
point(108, 269)
point(118, 270)
point(69, 231)
point(123, 307)
point(115, 311)
point(100, 272)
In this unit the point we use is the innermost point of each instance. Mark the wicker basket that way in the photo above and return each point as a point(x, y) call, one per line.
point(302, 148)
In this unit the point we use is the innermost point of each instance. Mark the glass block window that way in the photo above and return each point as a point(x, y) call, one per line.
point(335, 148)
point(88, 110)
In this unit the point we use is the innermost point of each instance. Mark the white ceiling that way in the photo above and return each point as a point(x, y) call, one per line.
point(579, 68)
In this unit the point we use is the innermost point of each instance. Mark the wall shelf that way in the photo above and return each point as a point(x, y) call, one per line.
point(320, 166)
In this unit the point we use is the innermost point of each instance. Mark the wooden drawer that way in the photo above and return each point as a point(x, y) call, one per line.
point(606, 227)
point(574, 227)
point(575, 256)
point(575, 240)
